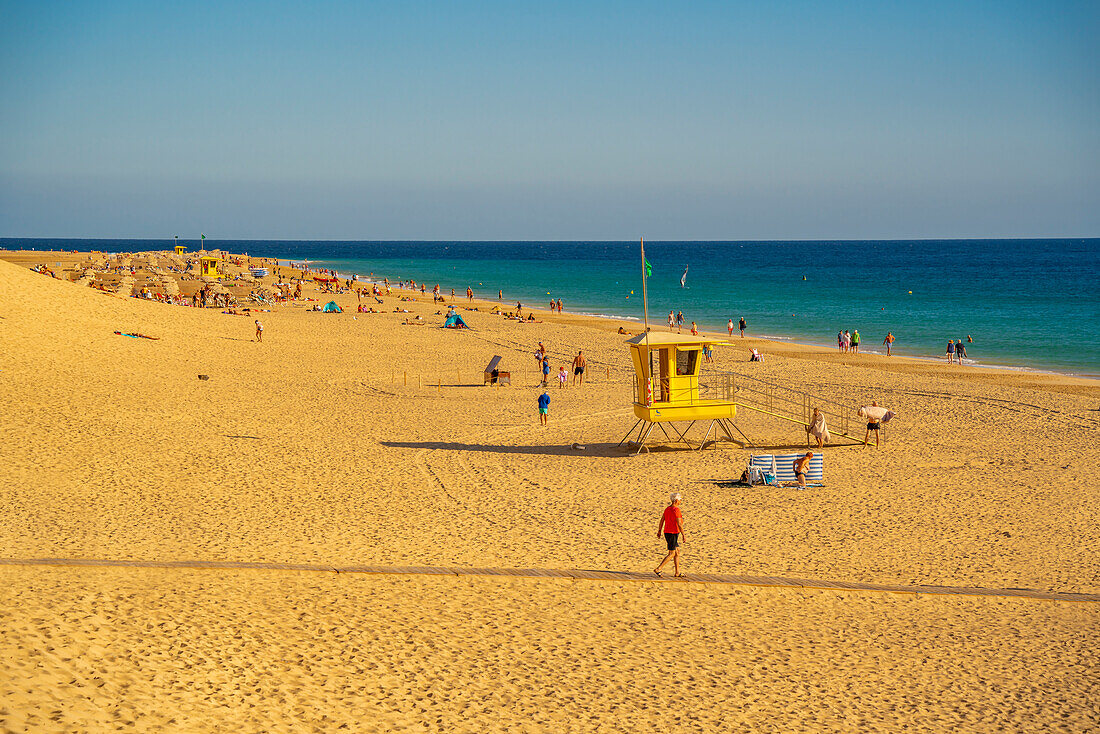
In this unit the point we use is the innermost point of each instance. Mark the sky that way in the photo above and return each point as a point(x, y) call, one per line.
point(549, 120)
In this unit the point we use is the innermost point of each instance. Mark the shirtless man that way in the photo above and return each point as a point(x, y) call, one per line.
point(579, 363)
point(801, 465)
point(874, 415)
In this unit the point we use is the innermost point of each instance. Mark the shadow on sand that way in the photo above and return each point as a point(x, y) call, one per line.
point(590, 449)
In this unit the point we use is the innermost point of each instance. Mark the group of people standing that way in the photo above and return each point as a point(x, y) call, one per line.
point(848, 341)
point(543, 359)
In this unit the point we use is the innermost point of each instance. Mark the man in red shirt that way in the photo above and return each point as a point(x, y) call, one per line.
point(672, 526)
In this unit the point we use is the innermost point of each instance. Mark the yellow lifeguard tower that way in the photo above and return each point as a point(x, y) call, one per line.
point(180, 249)
point(210, 266)
point(668, 389)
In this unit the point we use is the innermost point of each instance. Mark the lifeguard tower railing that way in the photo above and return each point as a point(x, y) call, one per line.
point(762, 396)
point(793, 405)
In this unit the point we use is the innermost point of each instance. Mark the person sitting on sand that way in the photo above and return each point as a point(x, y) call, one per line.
point(672, 527)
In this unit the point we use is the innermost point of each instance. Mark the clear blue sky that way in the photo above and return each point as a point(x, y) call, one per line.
point(549, 120)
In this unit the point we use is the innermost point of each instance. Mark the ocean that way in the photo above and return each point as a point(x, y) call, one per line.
point(1025, 303)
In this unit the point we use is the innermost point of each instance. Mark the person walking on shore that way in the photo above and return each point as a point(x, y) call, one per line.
point(679, 322)
point(671, 321)
point(579, 364)
point(960, 350)
point(672, 528)
point(950, 351)
point(469, 293)
point(259, 331)
point(729, 328)
point(888, 341)
point(545, 371)
point(741, 326)
point(855, 341)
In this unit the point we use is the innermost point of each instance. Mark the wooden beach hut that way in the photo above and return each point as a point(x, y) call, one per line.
point(669, 389)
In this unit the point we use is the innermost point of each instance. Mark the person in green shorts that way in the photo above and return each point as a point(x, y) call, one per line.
point(855, 341)
point(544, 407)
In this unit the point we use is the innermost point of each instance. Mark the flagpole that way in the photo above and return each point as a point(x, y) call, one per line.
point(645, 321)
point(645, 295)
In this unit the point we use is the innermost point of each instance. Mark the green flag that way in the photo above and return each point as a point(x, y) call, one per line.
point(648, 269)
point(203, 237)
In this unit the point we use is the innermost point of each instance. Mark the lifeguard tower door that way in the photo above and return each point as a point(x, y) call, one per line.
point(666, 386)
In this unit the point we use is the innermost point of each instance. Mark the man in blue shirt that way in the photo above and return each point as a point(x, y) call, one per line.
point(544, 407)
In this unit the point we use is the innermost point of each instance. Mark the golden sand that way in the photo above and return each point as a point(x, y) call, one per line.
point(353, 439)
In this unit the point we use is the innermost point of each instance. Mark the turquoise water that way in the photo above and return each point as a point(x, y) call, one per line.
point(1026, 303)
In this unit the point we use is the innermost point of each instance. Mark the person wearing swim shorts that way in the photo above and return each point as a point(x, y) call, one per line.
point(259, 331)
point(888, 341)
point(741, 326)
point(874, 415)
point(801, 464)
point(579, 363)
point(950, 351)
point(544, 407)
point(672, 528)
point(729, 328)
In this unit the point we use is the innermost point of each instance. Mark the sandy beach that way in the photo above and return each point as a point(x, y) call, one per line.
point(353, 438)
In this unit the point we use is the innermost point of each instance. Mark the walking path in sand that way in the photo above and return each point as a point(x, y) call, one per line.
point(558, 573)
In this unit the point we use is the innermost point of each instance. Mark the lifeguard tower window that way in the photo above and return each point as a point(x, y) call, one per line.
point(686, 361)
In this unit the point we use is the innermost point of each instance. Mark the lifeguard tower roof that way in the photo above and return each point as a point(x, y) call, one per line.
point(660, 339)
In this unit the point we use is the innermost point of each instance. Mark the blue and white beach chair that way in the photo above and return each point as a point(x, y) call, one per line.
point(782, 467)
